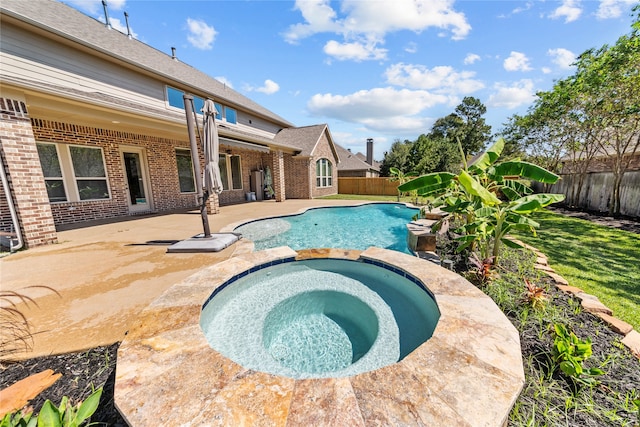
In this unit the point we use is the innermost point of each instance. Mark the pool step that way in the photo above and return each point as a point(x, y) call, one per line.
point(419, 236)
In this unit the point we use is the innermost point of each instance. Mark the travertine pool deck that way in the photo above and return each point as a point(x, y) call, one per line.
point(468, 374)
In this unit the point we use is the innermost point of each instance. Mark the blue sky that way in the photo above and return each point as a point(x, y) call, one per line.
point(376, 69)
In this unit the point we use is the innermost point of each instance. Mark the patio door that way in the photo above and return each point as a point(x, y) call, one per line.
point(137, 186)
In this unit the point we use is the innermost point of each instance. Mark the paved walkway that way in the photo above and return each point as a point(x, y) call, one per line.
point(104, 279)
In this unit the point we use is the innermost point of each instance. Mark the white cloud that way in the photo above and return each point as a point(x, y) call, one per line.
point(513, 96)
point(546, 70)
point(224, 81)
point(442, 79)
point(517, 61)
point(269, 87)
point(521, 9)
point(570, 10)
point(379, 103)
point(411, 48)
point(563, 58)
point(613, 8)
point(354, 51)
point(118, 25)
point(364, 24)
point(95, 6)
point(201, 35)
point(471, 58)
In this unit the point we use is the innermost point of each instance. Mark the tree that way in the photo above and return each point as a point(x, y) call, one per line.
point(397, 157)
point(465, 124)
point(433, 154)
point(609, 80)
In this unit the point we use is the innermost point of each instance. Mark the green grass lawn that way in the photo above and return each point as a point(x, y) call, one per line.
point(600, 260)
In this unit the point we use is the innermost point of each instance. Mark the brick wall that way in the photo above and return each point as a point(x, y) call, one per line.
point(323, 151)
point(296, 177)
point(161, 162)
point(22, 165)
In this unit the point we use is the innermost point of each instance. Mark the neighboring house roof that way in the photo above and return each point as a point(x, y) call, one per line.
point(353, 162)
point(72, 25)
point(363, 157)
point(306, 139)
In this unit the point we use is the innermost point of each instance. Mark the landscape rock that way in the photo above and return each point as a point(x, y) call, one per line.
point(570, 289)
point(632, 341)
point(617, 325)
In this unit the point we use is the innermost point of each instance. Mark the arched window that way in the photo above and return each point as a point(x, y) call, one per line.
point(324, 174)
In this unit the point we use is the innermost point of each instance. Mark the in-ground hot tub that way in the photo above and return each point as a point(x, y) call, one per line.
point(319, 317)
point(469, 372)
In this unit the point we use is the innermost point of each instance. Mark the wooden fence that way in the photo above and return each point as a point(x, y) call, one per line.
point(368, 186)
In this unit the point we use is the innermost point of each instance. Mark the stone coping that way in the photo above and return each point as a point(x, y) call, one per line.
point(468, 374)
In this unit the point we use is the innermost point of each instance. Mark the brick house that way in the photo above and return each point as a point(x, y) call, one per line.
point(92, 126)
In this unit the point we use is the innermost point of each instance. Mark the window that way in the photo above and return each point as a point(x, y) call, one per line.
point(73, 173)
point(52, 171)
point(324, 174)
point(230, 115)
point(230, 171)
point(185, 171)
point(175, 97)
point(89, 171)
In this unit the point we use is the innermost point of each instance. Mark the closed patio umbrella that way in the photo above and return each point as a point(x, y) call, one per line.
point(211, 145)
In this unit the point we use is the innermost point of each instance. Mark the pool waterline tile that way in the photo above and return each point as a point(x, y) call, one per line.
point(453, 379)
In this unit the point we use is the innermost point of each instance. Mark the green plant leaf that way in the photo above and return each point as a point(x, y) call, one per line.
point(426, 181)
point(89, 406)
point(49, 416)
point(489, 157)
point(511, 244)
point(526, 170)
point(475, 188)
point(534, 202)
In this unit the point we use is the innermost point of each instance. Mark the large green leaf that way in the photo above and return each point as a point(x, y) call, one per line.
point(534, 202)
point(49, 416)
point(474, 188)
point(525, 170)
point(489, 157)
point(426, 181)
point(89, 406)
point(433, 189)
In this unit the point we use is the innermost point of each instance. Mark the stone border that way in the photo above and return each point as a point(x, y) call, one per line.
point(590, 303)
point(469, 373)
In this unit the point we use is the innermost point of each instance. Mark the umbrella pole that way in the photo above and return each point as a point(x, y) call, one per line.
point(195, 159)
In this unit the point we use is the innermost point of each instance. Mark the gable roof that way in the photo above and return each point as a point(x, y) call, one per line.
point(353, 162)
point(74, 27)
point(306, 139)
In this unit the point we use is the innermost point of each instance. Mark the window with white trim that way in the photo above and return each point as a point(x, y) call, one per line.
point(185, 171)
point(230, 171)
point(73, 172)
point(324, 173)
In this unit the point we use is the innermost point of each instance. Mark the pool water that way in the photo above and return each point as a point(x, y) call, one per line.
point(319, 318)
point(352, 227)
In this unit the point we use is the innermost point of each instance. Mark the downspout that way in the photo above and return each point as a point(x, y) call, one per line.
point(12, 209)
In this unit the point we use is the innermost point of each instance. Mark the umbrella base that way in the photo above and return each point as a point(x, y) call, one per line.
point(199, 243)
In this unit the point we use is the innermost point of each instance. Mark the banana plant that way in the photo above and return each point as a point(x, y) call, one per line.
point(491, 198)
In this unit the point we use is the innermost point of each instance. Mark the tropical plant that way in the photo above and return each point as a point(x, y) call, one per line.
point(65, 415)
point(401, 177)
point(490, 199)
point(569, 352)
point(534, 295)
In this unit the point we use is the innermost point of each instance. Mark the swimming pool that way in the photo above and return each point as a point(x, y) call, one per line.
point(349, 227)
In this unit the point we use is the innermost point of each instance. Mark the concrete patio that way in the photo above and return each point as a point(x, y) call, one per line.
point(105, 275)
